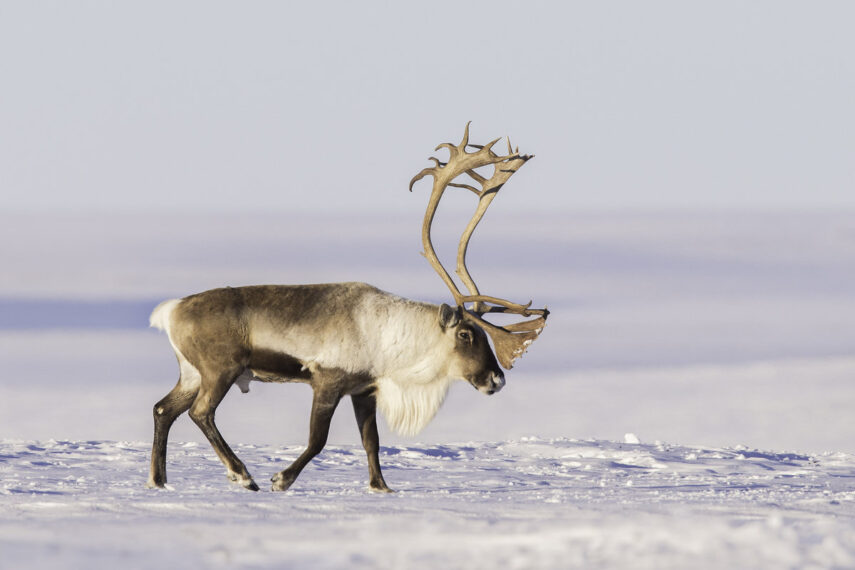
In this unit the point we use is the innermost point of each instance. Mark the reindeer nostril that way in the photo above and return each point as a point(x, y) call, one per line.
point(491, 384)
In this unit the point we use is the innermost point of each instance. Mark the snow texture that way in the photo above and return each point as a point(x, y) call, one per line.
point(529, 503)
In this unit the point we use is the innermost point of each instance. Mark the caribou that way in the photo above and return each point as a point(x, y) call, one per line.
point(346, 339)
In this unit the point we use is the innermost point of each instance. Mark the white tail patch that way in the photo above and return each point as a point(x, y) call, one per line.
point(159, 318)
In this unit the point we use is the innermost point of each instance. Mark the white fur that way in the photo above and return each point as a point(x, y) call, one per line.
point(190, 378)
point(411, 365)
point(409, 407)
point(161, 314)
point(161, 318)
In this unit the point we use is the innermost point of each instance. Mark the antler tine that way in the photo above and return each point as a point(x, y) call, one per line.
point(465, 140)
point(489, 145)
point(466, 186)
point(422, 174)
point(477, 177)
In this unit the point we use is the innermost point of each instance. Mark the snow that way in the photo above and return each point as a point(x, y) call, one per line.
point(527, 503)
point(688, 405)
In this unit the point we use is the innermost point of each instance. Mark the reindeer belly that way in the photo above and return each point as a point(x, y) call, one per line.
point(271, 366)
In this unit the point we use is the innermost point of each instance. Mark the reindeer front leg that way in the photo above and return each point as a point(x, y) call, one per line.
point(323, 405)
point(365, 408)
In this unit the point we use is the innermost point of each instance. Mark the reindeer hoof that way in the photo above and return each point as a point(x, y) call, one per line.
point(245, 482)
point(378, 485)
point(282, 481)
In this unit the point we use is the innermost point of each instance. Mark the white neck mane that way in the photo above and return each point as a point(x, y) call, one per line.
point(410, 364)
point(408, 406)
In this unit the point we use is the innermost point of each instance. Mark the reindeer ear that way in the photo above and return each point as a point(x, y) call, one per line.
point(448, 317)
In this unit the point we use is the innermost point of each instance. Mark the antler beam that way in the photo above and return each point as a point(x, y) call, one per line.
point(510, 341)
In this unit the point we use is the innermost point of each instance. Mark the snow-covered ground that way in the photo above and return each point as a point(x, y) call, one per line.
point(529, 503)
point(717, 335)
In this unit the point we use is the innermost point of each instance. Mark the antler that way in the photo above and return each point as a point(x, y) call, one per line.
point(510, 341)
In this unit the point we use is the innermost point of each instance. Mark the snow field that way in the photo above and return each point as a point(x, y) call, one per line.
point(544, 503)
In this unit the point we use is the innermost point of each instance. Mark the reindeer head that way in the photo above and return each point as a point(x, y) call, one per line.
point(509, 341)
point(470, 356)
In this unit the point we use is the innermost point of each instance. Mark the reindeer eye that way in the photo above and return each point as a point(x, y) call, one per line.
point(464, 335)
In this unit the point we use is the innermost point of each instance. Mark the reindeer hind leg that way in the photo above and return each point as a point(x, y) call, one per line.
point(165, 412)
point(211, 392)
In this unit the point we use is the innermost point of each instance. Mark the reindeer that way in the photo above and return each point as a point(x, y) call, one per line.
point(344, 339)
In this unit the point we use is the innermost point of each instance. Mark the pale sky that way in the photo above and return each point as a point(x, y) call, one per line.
point(279, 106)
